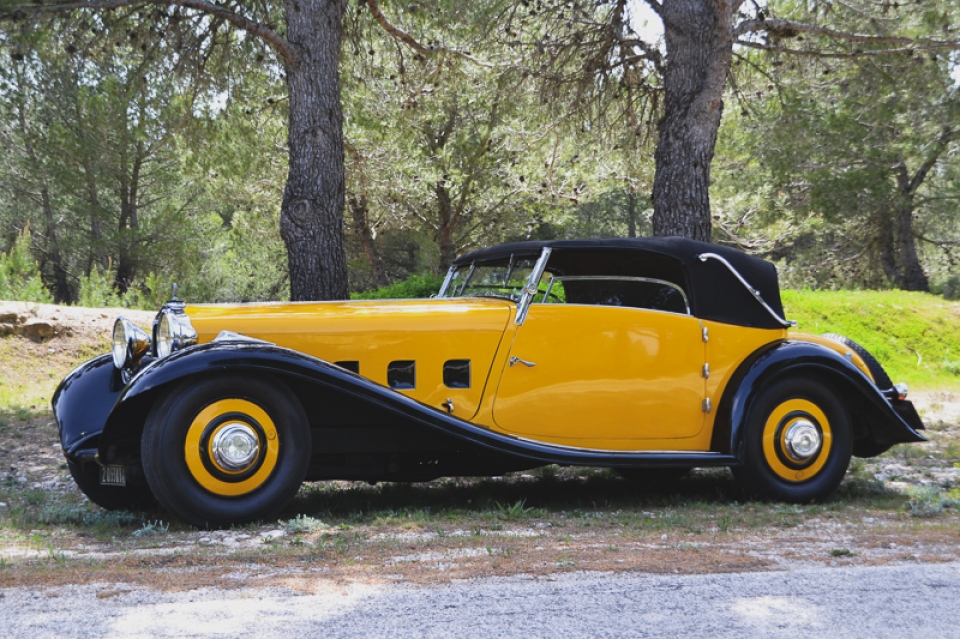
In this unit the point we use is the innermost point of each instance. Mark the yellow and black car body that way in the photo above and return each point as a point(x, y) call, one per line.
point(629, 354)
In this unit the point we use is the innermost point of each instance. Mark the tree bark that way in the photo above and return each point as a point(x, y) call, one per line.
point(311, 215)
point(699, 41)
point(361, 228)
point(446, 224)
point(631, 213)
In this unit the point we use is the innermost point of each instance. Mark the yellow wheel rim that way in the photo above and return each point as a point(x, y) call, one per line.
point(200, 458)
point(776, 450)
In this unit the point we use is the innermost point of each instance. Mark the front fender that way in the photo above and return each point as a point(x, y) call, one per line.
point(879, 422)
point(83, 402)
point(124, 425)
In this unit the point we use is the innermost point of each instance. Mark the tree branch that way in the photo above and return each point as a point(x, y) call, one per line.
point(789, 29)
point(412, 42)
point(838, 54)
point(947, 135)
point(287, 50)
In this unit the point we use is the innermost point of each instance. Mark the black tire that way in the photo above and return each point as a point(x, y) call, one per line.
point(185, 475)
point(880, 377)
point(134, 497)
point(769, 469)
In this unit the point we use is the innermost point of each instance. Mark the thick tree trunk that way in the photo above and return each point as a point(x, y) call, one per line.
point(311, 216)
point(699, 40)
point(888, 254)
point(913, 279)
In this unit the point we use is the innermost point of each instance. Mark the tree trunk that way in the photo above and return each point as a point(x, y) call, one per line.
point(311, 215)
point(361, 228)
point(699, 40)
point(888, 253)
point(913, 279)
point(446, 225)
point(631, 213)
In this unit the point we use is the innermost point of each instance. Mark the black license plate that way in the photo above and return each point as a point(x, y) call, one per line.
point(113, 476)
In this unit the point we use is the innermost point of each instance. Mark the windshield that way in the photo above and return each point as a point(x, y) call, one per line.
point(503, 278)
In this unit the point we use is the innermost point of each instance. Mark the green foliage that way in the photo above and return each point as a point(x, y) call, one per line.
point(96, 290)
point(19, 273)
point(915, 336)
point(415, 286)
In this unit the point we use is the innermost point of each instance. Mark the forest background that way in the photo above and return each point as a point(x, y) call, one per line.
point(144, 143)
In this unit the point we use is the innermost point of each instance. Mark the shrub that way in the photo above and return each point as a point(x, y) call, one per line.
point(20, 275)
point(415, 286)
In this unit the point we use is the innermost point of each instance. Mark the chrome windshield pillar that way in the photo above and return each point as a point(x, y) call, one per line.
point(530, 290)
point(446, 281)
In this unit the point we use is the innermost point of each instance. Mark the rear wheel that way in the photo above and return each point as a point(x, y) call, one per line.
point(796, 442)
point(226, 450)
point(880, 377)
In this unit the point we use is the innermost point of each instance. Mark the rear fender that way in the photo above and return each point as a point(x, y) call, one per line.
point(878, 422)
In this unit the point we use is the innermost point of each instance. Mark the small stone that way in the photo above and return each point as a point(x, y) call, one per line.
point(663, 537)
point(272, 535)
point(3, 504)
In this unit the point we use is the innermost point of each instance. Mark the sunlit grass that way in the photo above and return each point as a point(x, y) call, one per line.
point(915, 336)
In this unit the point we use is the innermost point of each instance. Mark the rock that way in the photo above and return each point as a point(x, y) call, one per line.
point(6, 329)
point(37, 330)
point(6, 317)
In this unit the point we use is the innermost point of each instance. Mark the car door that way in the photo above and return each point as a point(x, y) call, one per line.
point(607, 377)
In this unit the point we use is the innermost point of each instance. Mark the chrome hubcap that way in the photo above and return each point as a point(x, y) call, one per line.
point(803, 440)
point(235, 446)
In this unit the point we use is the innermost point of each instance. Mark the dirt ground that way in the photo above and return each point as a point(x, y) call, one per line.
point(899, 507)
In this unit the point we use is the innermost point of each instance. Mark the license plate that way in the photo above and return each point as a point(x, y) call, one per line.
point(113, 476)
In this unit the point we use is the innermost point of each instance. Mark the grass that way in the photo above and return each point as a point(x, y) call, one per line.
point(915, 336)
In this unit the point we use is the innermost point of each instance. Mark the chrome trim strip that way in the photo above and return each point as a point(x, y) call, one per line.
point(756, 294)
point(230, 336)
point(619, 278)
point(530, 290)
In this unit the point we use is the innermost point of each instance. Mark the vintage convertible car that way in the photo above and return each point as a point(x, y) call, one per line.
point(660, 353)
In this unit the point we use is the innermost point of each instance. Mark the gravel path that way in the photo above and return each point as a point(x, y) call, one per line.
point(918, 600)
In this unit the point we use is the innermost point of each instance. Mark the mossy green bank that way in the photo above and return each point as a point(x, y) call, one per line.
point(916, 336)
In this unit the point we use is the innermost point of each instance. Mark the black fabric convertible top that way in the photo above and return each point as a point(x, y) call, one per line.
point(714, 292)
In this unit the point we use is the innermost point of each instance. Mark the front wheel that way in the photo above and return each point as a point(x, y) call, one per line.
point(226, 450)
point(796, 442)
point(135, 496)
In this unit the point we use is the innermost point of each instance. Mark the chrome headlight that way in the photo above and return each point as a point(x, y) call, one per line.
point(174, 332)
point(130, 343)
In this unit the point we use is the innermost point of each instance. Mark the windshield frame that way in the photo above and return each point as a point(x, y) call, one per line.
point(527, 294)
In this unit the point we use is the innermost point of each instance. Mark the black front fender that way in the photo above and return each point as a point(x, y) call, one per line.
point(83, 402)
point(879, 421)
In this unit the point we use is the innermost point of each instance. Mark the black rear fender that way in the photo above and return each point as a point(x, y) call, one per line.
point(878, 422)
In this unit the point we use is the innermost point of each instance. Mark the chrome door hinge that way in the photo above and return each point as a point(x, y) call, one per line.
point(706, 405)
point(706, 371)
point(706, 334)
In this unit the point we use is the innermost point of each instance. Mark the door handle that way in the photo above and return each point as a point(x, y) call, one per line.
point(517, 360)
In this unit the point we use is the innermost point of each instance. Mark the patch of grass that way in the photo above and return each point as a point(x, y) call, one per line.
point(304, 524)
point(930, 501)
point(915, 336)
